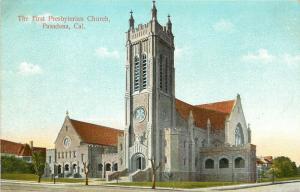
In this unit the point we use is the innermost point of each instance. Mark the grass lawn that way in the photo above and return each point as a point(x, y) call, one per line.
point(32, 177)
point(190, 185)
point(178, 184)
point(279, 179)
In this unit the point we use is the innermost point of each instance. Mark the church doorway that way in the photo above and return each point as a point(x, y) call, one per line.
point(59, 169)
point(138, 162)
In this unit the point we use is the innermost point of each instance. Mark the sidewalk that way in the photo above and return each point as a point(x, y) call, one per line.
point(36, 183)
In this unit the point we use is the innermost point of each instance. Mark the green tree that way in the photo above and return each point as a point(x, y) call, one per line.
point(38, 162)
point(11, 164)
point(284, 167)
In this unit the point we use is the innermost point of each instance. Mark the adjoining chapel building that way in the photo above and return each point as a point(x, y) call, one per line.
point(205, 142)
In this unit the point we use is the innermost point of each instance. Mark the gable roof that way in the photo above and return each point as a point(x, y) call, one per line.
point(19, 149)
point(96, 134)
point(215, 112)
point(264, 160)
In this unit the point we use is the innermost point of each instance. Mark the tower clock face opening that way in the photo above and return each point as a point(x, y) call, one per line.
point(140, 114)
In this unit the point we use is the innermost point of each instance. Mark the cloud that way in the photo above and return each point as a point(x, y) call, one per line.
point(263, 56)
point(223, 26)
point(291, 59)
point(104, 53)
point(178, 53)
point(29, 69)
point(181, 53)
point(6, 72)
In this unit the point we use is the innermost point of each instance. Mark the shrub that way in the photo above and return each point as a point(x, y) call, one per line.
point(284, 167)
point(11, 164)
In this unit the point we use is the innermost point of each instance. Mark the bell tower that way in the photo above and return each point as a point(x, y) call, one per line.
point(150, 91)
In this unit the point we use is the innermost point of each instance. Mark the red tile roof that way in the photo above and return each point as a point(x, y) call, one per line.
point(18, 149)
point(215, 112)
point(264, 160)
point(223, 106)
point(96, 134)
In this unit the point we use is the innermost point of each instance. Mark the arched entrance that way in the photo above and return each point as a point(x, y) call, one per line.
point(74, 168)
point(59, 169)
point(138, 162)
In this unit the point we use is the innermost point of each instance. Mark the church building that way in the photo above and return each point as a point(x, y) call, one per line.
point(204, 142)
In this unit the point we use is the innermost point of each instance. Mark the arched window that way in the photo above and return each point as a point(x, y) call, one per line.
point(209, 164)
point(144, 70)
point(136, 74)
point(59, 169)
point(239, 163)
point(239, 136)
point(74, 167)
point(196, 141)
point(108, 167)
point(223, 163)
point(66, 167)
point(100, 167)
point(115, 167)
point(160, 72)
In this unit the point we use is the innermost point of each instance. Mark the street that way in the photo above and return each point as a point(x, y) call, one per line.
point(18, 186)
point(286, 187)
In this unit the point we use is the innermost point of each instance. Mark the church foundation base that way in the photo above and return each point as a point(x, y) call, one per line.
point(146, 175)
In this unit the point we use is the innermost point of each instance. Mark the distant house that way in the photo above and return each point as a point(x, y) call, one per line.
point(263, 164)
point(19, 150)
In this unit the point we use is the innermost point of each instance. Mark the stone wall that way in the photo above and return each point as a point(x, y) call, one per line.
point(232, 172)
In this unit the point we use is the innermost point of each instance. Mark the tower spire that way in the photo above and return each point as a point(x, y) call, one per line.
point(131, 21)
point(154, 11)
point(169, 24)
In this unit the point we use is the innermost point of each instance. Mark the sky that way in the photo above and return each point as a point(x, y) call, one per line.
point(222, 48)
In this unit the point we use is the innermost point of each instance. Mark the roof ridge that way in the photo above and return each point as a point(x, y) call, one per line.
point(12, 141)
point(197, 107)
point(215, 102)
point(102, 126)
